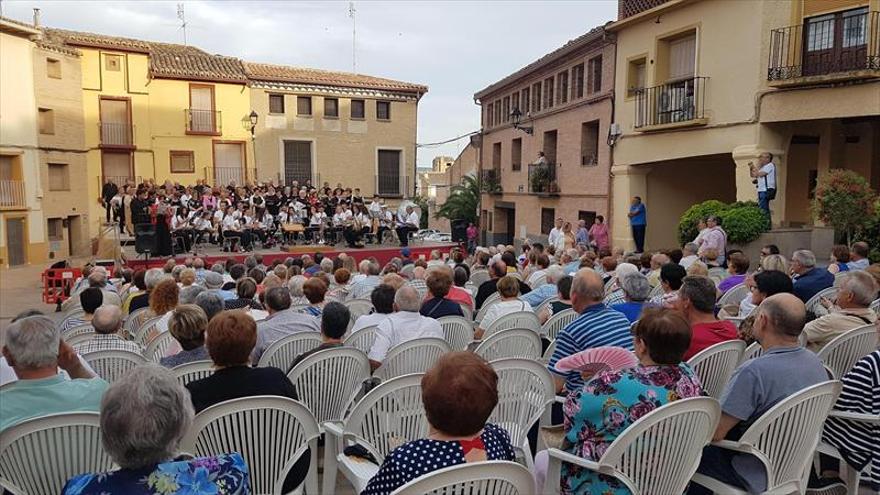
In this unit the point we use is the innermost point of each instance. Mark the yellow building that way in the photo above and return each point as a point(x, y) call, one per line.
point(703, 87)
point(159, 111)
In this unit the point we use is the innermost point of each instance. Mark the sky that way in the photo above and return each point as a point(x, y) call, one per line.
point(456, 48)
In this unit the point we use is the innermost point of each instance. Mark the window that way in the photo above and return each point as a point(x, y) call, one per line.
point(113, 63)
point(498, 112)
point(682, 57)
point(635, 77)
point(514, 101)
point(506, 116)
point(548, 93)
point(587, 216)
point(182, 162)
point(525, 101)
point(590, 143)
point(331, 107)
point(548, 215)
point(490, 114)
point(276, 103)
point(202, 118)
point(594, 82)
point(577, 76)
point(53, 68)
point(357, 109)
point(536, 97)
point(47, 121)
point(59, 177)
point(496, 156)
point(383, 110)
point(304, 105)
point(562, 85)
point(388, 181)
point(297, 161)
point(55, 229)
point(516, 154)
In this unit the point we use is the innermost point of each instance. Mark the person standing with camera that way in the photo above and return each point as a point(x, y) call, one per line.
point(765, 180)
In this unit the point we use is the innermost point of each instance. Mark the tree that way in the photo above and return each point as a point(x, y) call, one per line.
point(845, 201)
point(463, 201)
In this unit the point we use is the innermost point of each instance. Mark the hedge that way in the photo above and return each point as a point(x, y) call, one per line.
point(743, 221)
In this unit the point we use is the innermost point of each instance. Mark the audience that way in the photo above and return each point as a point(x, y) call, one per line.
point(636, 290)
point(763, 285)
point(562, 302)
point(403, 325)
point(738, 267)
point(839, 259)
point(600, 411)
point(459, 394)
point(439, 282)
point(757, 385)
point(107, 324)
point(696, 301)
point(368, 280)
point(856, 291)
point(163, 300)
point(245, 289)
point(187, 325)
point(548, 289)
point(689, 252)
point(152, 277)
point(281, 322)
point(382, 298)
point(314, 290)
point(90, 300)
point(145, 446)
point(334, 323)
point(859, 256)
point(671, 276)
point(497, 269)
point(510, 302)
point(808, 280)
point(35, 351)
point(342, 290)
point(597, 325)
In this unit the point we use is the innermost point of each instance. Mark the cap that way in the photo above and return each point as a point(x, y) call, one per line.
point(405, 252)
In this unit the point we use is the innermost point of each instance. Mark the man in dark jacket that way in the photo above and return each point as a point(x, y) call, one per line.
point(110, 189)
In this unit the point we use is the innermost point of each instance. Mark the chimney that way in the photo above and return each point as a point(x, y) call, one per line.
point(36, 17)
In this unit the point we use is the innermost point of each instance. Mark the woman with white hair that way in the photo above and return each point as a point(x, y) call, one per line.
point(145, 446)
point(616, 295)
point(295, 286)
point(636, 289)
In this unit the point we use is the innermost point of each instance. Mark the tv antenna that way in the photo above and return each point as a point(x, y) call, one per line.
point(182, 16)
point(351, 13)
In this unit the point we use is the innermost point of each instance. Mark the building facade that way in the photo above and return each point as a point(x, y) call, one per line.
point(702, 88)
point(560, 105)
point(335, 128)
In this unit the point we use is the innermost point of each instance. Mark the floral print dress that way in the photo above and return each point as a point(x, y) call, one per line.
point(607, 405)
point(225, 474)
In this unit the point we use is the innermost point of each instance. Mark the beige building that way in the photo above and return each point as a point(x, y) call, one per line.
point(703, 87)
point(564, 102)
point(447, 173)
point(336, 128)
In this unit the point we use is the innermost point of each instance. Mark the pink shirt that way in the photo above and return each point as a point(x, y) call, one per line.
point(599, 234)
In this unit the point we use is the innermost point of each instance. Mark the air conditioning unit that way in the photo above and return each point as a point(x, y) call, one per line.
point(615, 130)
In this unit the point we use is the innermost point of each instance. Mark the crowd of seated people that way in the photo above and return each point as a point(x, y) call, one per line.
point(664, 308)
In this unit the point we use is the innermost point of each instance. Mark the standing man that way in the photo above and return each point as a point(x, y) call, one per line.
point(555, 233)
point(109, 190)
point(638, 220)
point(765, 180)
point(582, 236)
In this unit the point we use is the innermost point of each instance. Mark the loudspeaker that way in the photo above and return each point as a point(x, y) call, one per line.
point(144, 238)
point(459, 230)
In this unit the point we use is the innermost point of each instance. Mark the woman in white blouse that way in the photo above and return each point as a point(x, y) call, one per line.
point(508, 287)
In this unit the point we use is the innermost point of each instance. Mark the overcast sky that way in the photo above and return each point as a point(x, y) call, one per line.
point(456, 48)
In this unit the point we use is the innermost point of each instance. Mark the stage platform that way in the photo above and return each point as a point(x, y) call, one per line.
point(213, 254)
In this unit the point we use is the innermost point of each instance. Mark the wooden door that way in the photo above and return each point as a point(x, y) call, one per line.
point(15, 240)
point(115, 124)
point(201, 104)
point(835, 42)
point(228, 163)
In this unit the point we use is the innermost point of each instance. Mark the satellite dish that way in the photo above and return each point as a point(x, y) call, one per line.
point(401, 210)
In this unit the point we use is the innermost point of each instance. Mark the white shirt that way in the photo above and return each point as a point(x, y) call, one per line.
point(554, 236)
point(365, 321)
point(202, 224)
point(338, 218)
point(177, 222)
point(230, 223)
point(534, 276)
point(218, 216)
point(501, 308)
point(412, 219)
point(401, 327)
point(318, 218)
point(688, 260)
point(769, 180)
point(375, 207)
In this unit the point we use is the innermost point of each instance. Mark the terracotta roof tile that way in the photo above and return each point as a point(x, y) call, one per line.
point(282, 73)
point(168, 64)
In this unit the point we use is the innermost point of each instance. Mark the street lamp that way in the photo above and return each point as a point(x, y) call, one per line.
point(249, 122)
point(516, 114)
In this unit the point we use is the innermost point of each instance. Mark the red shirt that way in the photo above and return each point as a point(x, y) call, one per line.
point(705, 335)
point(456, 294)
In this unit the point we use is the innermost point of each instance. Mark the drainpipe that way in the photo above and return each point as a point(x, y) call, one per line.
point(611, 142)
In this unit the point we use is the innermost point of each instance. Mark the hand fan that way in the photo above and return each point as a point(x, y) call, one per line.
point(592, 360)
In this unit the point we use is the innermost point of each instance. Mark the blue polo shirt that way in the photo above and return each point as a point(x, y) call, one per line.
point(811, 283)
point(26, 399)
point(641, 214)
point(597, 326)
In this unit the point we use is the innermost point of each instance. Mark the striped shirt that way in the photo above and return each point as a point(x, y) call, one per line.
point(857, 441)
point(107, 342)
point(597, 326)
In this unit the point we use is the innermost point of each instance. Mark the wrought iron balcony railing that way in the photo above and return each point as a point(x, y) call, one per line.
point(490, 181)
point(674, 102)
point(116, 135)
point(543, 179)
point(12, 194)
point(202, 121)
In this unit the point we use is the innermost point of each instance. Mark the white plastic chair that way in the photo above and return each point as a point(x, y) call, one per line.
point(134, 320)
point(78, 340)
point(281, 353)
point(69, 315)
point(517, 319)
point(39, 455)
point(328, 381)
point(752, 351)
point(783, 439)
point(143, 334)
point(557, 322)
point(156, 348)
point(358, 308)
point(457, 331)
point(84, 329)
point(814, 304)
point(538, 281)
point(112, 365)
point(850, 475)
point(510, 343)
point(545, 359)
point(544, 305)
point(526, 392)
point(657, 454)
point(875, 306)
point(363, 339)
point(190, 372)
point(269, 432)
point(484, 478)
point(715, 365)
point(388, 416)
point(492, 299)
point(412, 356)
point(420, 286)
point(479, 276)
point(467, 311)
point(734, 295)
point(845, 350)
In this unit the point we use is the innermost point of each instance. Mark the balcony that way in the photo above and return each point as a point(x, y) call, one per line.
point(204, 122)
point(542, 179)
point(12, 195)
point(116, 135)
point(392, 185)
point(490, 181)
point(224, 176)
point(838, 46)
point(679, 103)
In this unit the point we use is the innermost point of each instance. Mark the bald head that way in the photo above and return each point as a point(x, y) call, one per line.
point(499, 269)
point(407, 299)
point(107, 319)
point(786, 315)
point(586, 289)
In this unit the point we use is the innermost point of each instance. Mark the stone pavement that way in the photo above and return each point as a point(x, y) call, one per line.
point(20, 289)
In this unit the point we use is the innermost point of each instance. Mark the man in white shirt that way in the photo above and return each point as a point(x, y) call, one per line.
point(555, 233)
point(406, 224)
point(689, 252)
point(765, 175)
point(403, 325)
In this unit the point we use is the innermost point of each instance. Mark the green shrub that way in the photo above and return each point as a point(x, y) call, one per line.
point(844, 200)
point(687, 226)
point(743, 221)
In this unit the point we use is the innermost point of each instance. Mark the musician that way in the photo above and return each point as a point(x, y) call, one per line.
point(386, 223)
point(273, 201)
point(356, 197)
point(230, 228)
point(210, 200)
point(265, 226)
point(202, 226)
point(406, 223)
point(160, 213)
point(376, 206)
point(316, 224)
point(354, 227)
point(181, 226)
